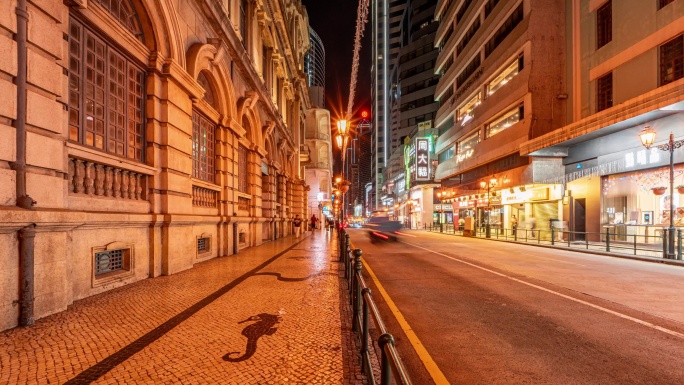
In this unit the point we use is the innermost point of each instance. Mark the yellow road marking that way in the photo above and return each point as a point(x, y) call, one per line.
point(430, 365)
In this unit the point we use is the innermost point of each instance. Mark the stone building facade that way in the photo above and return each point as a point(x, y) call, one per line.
point(141, 137)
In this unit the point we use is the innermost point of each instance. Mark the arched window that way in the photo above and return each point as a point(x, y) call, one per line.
point(204, 135)
point(209, 94)
point(106, 95)
point(203, 143)
point(123, 11)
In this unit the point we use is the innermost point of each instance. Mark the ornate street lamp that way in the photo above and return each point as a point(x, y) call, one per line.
point(647, 136)
point(342, 136)
point(488, 209)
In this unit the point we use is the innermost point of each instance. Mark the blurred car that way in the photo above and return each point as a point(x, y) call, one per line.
point(382, 228)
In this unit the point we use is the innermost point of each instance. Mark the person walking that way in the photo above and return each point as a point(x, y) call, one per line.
point(297, 222)
point(514, 224)
point(314, 220)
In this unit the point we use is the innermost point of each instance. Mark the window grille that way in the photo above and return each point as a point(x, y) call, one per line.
point(203, 143)
point(604, 24)
point(106, 101)
point(672, 60)
point(604, 92)
point(108, 261)
point(243, 20)
point(242, 169)
point(123, 11)
point(203, 245)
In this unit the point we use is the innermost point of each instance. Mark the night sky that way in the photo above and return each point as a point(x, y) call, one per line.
point(335, 23)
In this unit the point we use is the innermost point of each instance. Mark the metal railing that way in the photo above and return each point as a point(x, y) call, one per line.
point(364, 308)
point(609, 241)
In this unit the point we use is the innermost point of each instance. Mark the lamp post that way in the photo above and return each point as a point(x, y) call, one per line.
point(647, 137)
point(488, 209)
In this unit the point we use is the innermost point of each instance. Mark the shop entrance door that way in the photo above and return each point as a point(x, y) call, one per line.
point(580, 225)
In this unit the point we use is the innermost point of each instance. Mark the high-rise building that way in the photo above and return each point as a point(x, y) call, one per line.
point(621, 79)
point(314, 67)
point(503, 70)
point(386, 16)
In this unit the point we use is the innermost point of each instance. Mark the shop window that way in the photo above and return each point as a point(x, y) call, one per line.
point(604, 92)
point(505, 75)
point(604, 24)
point(203, 144)
point(106, 98)
point(504, 121)
point(672, 60)
point(465, 112)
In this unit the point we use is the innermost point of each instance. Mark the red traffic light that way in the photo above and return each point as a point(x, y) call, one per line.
point(364, 114)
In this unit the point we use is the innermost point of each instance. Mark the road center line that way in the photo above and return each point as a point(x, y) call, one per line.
point(430, 365)
point(603, 309)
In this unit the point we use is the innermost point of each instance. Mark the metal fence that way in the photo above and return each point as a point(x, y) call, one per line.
point(364, 309)
point(609, 241)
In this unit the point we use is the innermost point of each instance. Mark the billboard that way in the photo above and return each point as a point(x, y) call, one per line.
point(422, 159)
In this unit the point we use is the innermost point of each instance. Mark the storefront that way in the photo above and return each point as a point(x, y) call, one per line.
point(536, 207)
point(637, 203)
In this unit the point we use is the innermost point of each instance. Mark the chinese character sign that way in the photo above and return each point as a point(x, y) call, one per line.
point(422, 159)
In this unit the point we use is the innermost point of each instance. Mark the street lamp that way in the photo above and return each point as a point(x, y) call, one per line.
point(342, 136)
point(488, 186)
point(647, 137)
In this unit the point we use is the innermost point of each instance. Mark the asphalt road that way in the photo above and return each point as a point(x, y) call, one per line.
point(491, 312)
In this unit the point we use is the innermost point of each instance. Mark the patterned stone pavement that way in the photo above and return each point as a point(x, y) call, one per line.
point(268, 315)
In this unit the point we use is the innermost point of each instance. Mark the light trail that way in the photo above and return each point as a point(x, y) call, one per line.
point(361, 19)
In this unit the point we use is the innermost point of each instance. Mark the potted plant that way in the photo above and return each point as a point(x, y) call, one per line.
point(680, 189)
point(659, 190)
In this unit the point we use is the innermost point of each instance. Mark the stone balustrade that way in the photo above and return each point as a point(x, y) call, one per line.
point(90, 178)
point(203, 197)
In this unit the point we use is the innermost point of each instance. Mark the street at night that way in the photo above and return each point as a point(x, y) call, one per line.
point(491, 312)
point(179, 180)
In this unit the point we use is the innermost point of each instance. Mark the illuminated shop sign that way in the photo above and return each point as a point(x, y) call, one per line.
point(422, 159)
point(461, 157)
point(642, 157)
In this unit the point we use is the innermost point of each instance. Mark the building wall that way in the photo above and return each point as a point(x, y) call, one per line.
point(539, 38)
point(195, 62)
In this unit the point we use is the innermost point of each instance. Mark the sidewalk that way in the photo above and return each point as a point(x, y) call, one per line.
point(271, 314)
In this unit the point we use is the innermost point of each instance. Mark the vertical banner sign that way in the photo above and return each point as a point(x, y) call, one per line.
point(422, 159)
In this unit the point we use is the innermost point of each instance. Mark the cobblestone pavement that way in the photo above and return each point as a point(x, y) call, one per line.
point(268, 315)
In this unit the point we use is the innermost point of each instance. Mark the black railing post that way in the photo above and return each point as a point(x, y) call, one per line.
point(665, 243)
point(357, 288)
point(635, 247)
point(679, 244)
point(553, 237)
point(608, 239)
point(385, 370)
point(364, 342)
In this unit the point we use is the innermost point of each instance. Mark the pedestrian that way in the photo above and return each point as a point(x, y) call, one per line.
point(461, 224)
point(314, 220)
point(514, 223)
point(297, 222)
